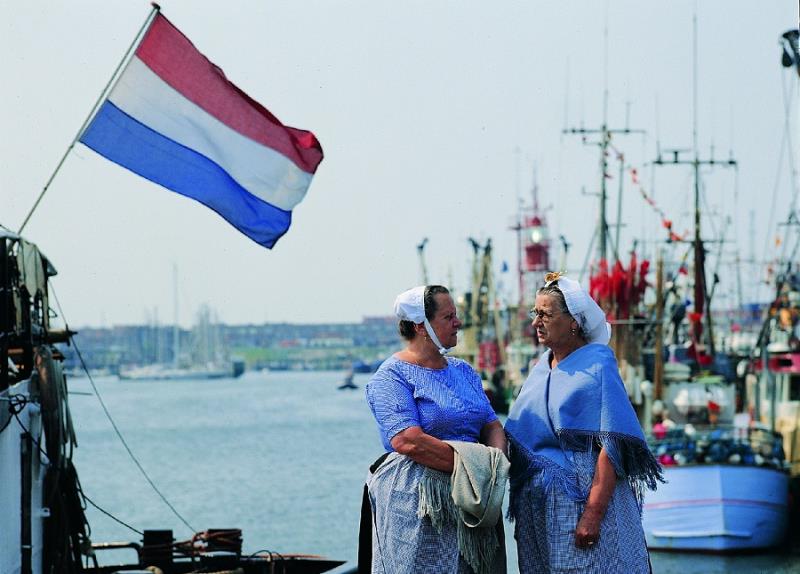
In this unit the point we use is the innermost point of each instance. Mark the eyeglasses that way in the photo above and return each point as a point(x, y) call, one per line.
point(543, 316)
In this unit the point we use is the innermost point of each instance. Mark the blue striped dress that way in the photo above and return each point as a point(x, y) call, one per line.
point(449, 404)
point(545, 520)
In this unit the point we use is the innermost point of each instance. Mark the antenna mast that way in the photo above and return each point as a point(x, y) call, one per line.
point(606, 134)
point(701, 295)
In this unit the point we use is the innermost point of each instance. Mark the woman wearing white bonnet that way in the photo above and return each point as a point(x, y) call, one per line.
point(421, 398)
point(579, 460)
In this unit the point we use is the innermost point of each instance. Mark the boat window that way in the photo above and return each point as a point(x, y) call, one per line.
point(794, 388)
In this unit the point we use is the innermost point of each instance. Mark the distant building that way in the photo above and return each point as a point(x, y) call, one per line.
point(108, 348)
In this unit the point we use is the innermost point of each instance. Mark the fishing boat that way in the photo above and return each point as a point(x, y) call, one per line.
point(728, 477)
point(718, 508)
point(726, 480)
point(534, 260)
point(43, 524)
point(483, 338)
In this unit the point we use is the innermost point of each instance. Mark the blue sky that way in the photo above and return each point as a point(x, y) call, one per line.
point(432, 115)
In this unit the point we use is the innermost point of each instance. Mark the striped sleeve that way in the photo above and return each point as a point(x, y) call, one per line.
point(391, 399)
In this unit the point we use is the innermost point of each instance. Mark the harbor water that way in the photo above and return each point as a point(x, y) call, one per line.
point(280, 455)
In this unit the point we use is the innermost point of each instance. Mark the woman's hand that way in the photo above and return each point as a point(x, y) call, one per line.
point(424, 449)
point(587, 532)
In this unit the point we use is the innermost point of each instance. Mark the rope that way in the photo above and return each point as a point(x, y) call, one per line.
point(270, 556)
point(114, 424)
point(15, 405)
point(107, 513)
point(23, 400)
point(786, 149)
point(666, 222)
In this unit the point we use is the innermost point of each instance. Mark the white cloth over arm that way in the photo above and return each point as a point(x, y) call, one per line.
point(472, 498)
point(478, 482)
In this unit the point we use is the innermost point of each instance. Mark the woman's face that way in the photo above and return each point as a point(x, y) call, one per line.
point(553, 326)
point(445, 322)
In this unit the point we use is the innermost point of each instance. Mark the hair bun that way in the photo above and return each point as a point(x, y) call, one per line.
point(553, 276)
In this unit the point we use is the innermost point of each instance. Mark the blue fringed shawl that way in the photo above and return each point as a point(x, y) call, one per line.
point(580, 404)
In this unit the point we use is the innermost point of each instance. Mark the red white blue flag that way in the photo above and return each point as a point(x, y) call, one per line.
point(175, 119)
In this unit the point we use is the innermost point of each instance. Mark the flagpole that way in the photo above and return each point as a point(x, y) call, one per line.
point(103, 95)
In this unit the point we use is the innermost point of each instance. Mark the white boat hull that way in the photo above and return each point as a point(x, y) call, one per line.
point(21, 530)
point(717, 508)
point(163, 373)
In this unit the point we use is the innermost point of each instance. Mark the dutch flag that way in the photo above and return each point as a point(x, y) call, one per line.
point(175, 119)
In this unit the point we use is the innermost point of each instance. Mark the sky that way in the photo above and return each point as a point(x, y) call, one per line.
point(434, 116)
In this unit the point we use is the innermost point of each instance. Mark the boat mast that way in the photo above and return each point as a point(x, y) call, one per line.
point(658, 367)
point(175, 331)
point(791, 56)
point(701, 299)
point(699, 254)
point(533, 245)
point(423, 269)
point(606, 133)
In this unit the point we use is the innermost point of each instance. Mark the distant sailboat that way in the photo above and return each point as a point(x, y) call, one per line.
point(206, 359)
